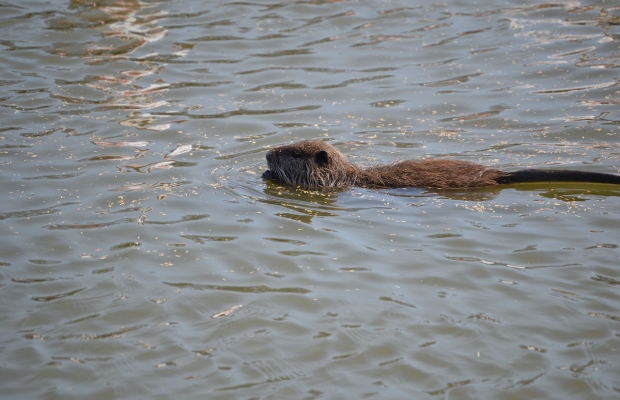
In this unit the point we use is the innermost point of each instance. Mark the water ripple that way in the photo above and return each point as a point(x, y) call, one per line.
point(457, 80)
point(241, 111)
point(34, 213)
point(57, 296)
point(577, 88)
point(243, 289)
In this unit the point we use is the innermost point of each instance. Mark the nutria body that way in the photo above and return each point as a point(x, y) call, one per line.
point(315, 163)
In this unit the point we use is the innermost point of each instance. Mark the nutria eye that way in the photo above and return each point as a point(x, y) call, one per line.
point(321, 158)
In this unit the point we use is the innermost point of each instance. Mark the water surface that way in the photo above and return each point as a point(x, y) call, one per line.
point(142, 255)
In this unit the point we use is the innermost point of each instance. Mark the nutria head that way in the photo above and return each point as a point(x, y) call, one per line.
point(309, 163)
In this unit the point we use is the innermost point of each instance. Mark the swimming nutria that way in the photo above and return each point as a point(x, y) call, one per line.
point(318, 164)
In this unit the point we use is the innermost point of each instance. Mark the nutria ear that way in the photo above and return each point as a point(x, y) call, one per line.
point(321, 158)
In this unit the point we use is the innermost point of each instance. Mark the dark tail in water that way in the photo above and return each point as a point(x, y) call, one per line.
point(557, 175)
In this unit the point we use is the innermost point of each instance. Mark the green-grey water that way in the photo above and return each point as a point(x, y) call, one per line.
point(142, 255)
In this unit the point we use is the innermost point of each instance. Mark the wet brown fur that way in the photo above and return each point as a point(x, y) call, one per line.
point(316, 163)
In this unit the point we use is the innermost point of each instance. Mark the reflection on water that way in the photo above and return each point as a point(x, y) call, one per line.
point(144, 256)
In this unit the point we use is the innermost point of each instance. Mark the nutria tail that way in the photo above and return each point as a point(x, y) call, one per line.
point(553, 175)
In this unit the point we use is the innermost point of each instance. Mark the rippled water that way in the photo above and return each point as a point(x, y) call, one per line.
point(142, 255)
